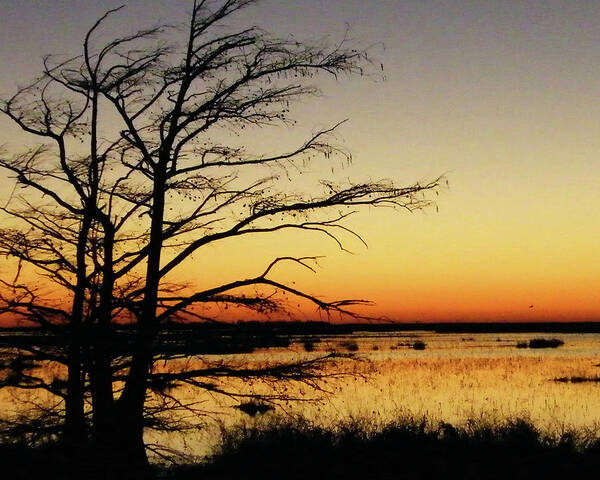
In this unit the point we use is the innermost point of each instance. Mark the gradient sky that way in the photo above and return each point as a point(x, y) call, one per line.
point(501, 96)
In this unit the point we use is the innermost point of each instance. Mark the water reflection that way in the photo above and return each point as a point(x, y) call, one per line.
point(453, 378)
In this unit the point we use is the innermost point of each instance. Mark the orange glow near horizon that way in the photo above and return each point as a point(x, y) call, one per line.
point(492, 97)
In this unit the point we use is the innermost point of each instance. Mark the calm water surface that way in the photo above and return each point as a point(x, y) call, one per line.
point(457, 377)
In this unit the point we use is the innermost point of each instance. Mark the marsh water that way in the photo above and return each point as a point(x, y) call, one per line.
point(456, 378)
point(449, 377)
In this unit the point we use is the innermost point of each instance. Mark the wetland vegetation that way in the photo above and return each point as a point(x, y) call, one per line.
point(405, 448)
point(462, 394)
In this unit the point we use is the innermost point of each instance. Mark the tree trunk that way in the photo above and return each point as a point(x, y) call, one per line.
point(102, 395)
point(131, 403)
point(75, 429)
point(100, 371)
point(129, 415)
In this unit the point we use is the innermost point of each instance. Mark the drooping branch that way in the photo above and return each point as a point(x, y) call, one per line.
point(373, 194)
point(236, 157)
point(261, 303)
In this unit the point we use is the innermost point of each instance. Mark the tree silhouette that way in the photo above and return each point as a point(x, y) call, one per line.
point(136, 171)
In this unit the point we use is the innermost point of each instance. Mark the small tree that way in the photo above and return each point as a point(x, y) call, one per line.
point(136, 174)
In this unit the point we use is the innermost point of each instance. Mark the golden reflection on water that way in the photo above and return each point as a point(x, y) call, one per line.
point(457, 377)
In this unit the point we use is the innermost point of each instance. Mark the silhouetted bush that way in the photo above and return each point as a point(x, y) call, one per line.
point(419, 345)
point(545, 343)
point(350, 345)
point(254, 408)
point(541, 343)
point(577, 379)
point(309, 343)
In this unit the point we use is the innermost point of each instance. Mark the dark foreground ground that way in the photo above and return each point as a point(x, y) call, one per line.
point(404, 450)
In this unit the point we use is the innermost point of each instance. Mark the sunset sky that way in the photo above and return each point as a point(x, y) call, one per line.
point(501, 97)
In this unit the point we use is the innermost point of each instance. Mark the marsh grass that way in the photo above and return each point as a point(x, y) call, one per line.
point(403, 448)
point(278, 447)
point(451, 381)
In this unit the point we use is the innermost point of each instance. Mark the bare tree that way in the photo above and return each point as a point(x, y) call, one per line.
point(136, 173)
